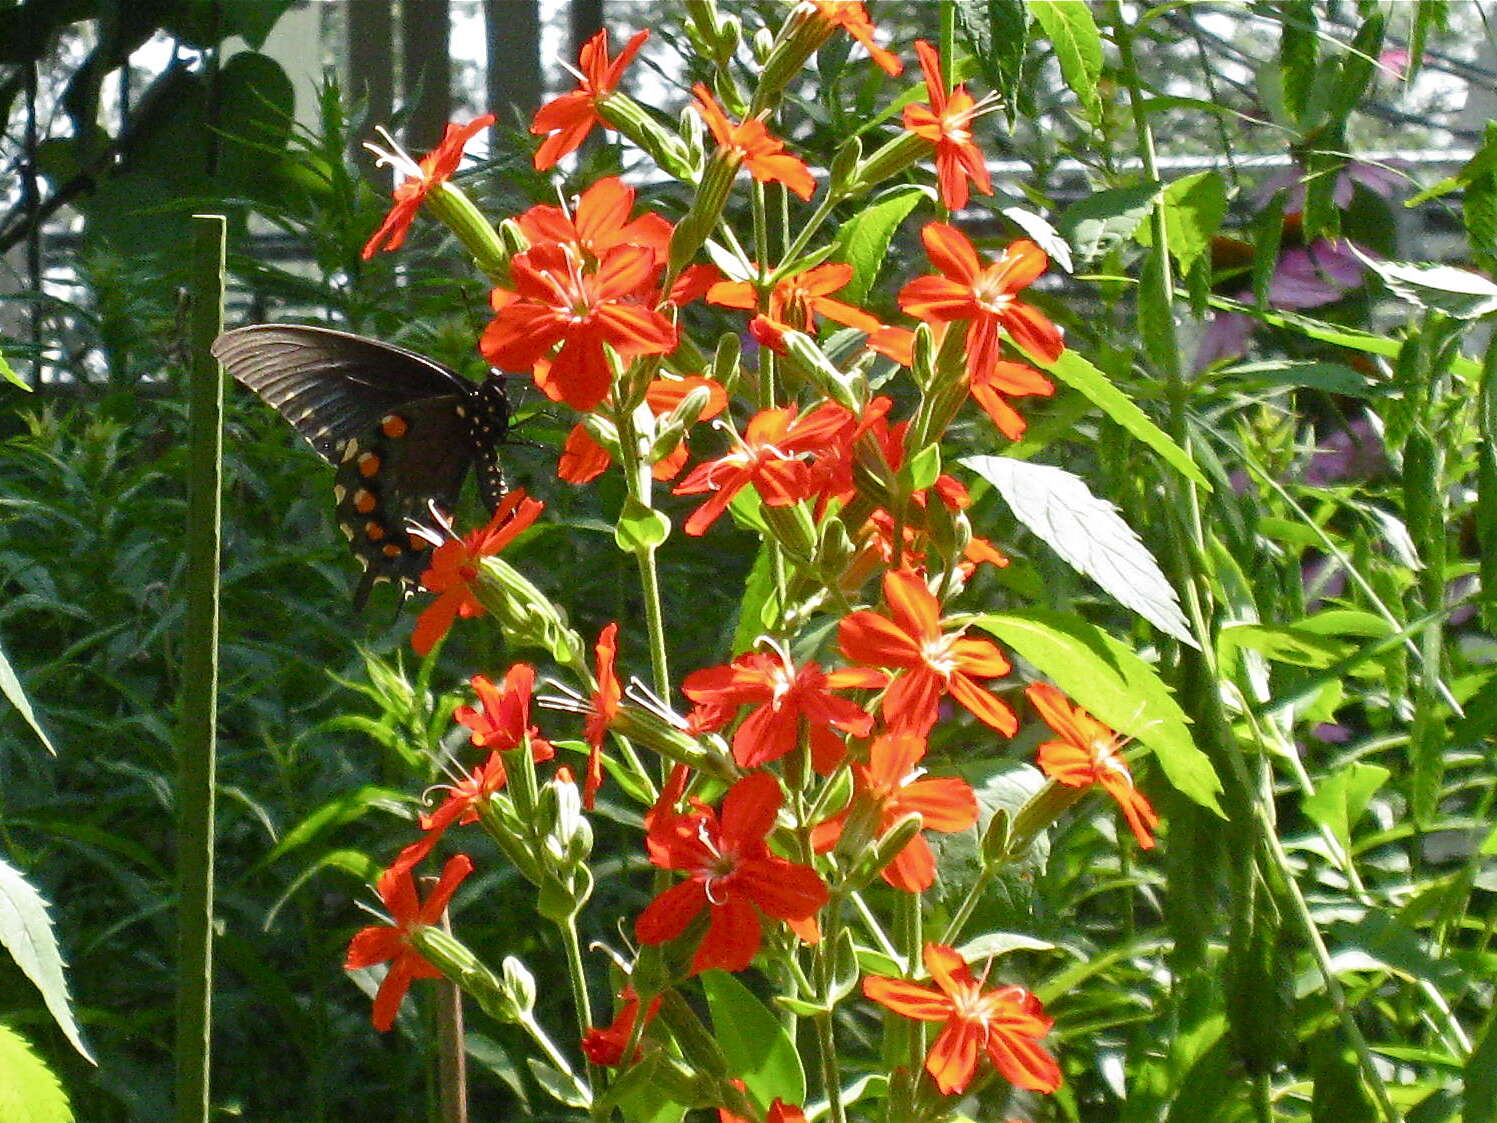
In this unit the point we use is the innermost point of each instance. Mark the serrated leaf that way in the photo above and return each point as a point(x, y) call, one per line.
point(1105, 220)
point(1069, 26)
point(1342, 796)
point(26, 933)
point(1106, 678)
point(1089, 534)
point(1079, 374)
point(1333, 378)
point(11, 686)
point(29, 1091)
point(992, 944)
point(1444, 288)
point(998, 32)
point(758, 1050)
point(863, 241)
point(1194, 206)
point(1042, 234)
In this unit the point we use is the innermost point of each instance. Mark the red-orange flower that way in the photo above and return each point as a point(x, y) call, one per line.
point(569, 118)
point(454, 566)
point(436, 166)
point(772, 455)
point(598, 222)
point(1087, 753)
point(783, 696)
point(779, 1111)
point(893, 782)
point(605, 1045)
point(934, 663)
point(381, 942)
point(763, 155)
point(947, 123)
point(852, 17)
point(603, 708)
point(1006, 1023)
point(984, 295)
point(796, 300)
point(732, 873)
point(556, 300)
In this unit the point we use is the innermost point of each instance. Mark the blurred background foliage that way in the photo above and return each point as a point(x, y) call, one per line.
point(1182, 986)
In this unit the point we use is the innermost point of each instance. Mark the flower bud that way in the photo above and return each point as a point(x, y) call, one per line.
point(783, 56)
point(696, 225)
point(459, 214)
point(527, 616)
point(630, 119)
point(451, 956)
point(890, 843)
point(519, 983)
point(834, 547)
point(889, 160)
point(812, 363)
point(844, 167)
point(792, 528)
point(726, 360)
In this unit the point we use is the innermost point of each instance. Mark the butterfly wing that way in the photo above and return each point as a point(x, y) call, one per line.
point(331, 386)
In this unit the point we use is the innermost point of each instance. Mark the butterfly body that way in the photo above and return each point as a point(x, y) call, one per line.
point(400, 430)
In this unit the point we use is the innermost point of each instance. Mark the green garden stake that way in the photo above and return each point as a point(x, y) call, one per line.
point(198, 712)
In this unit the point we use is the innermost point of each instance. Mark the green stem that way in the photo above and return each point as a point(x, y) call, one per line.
point(577, 976)
point(196, 740)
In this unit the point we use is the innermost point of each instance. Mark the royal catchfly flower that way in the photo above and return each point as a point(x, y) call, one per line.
point(379, 943)
point(434, 168)
point(983, 295)
point(502, 724)
point(852, 17)
point(947, 123)
point(783, 696)
point(779, 1111)
point(558, 299)
point(731, 872)
point(795, 301)
point(605, 1045)
point(1087, 753)
point(597, 222)
point(895, 785)
point(934, 662)
point(454, 568)
point(1006, 1023)
point(773, 455)
point(602, 709)
point(763, 155)
point(565, 121)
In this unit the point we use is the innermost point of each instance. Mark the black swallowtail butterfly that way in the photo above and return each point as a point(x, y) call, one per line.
point(400, 429)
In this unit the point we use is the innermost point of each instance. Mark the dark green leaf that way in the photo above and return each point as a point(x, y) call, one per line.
point(998, 32)
point(1104, 220)
point(1342, 796)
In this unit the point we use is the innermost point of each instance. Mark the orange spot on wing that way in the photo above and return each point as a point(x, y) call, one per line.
point(394, 426)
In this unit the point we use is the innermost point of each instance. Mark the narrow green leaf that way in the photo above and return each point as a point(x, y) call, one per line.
point(26, 933)
point(1445, 288)
point(558, 1085)
point(1298, 55)
point(758, 1050)
point(1079, 374)
point(1358, 64)
point(29, 1091)
point(1116, 686)
point(8, 373)
point(757, 591)
point(1382, 941)
point(342, 808)
point(1078, 47)
point(1267, 234)
point(1089, 533)
point(1342, 797)
point(10, 685)
point(1481, 1078)
point(863, 240)
point(1333, 378)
